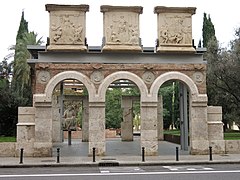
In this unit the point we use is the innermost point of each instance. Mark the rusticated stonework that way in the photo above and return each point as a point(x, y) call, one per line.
point(67, 27)
point(175, 29)
point(121, 28)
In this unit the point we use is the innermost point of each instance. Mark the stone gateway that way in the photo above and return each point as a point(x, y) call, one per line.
point(68, 58)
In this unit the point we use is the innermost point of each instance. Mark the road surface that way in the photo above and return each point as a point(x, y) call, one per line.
point(179, 172)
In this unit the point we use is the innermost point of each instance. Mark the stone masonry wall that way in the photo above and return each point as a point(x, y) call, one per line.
point(191, 70)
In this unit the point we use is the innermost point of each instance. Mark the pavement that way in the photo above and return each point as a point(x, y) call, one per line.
point(117, 153)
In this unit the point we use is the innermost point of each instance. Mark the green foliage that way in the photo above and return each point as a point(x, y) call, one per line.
point(208, 30)
point(18, 93)
point(21, 78)
point(113, 108)
point(170, 104)
point(9, 102)
point(223, 79)
point(23, 27)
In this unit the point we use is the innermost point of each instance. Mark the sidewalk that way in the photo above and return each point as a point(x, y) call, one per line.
point(118, 153)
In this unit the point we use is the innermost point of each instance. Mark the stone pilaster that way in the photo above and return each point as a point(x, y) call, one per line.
point(67, 27)
point(121, 28)
point(85, 120)
point(174, 29)
point(26, 130)
point(215, 129)
point(57, 121)
point(43, 129)
point(97, 128)
point(149, 135)
point(127, 123)
point(160, 118)
point(198, 128)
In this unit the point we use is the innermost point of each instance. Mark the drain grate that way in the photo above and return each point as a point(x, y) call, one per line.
point(108, 163)
point(48, 161)
point(108, 159)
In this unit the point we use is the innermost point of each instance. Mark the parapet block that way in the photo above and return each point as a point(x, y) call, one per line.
point(174, 29)
point(67, 27)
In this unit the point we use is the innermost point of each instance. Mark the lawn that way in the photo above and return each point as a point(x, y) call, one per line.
point(7, 139)
point(229, 135)
point(232, 135)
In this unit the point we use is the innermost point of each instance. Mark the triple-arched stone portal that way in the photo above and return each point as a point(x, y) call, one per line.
point(121, 57)
point(36, 124)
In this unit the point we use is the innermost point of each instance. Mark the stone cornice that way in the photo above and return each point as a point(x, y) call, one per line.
point(136, 9)
point(57, 7)
point(164, 9)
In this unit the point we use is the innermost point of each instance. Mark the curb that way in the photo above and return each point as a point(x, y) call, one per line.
point(96, 164)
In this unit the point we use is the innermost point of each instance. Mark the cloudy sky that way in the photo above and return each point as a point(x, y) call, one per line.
point(224, 14)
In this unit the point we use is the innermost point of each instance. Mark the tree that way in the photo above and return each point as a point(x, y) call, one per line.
point(223, 78)
point(113, 108)
point(18, 93)
point(23, 27)
point(21, 68)
point(170, 103)
point(208, 30)
point(8, 102)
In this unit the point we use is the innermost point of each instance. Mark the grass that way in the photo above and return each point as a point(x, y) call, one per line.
point(229, 135)
point(7, 139)
point(173, 132)
point(232, 135)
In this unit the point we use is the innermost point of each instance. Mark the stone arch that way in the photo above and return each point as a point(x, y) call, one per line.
point(122, 75)
point(69, 75)
point(173, 76)
point(197, 110)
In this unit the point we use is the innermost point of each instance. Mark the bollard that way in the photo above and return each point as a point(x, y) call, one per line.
point(21, 156)
point(177, 154)
point(58, 155)
point(94, 153)
point(210, 154)
point(143, 154)
point(69, 137)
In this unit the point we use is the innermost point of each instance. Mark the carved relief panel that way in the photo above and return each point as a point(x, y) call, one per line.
point(67, 26)
point(121, 27)
point(174, 29)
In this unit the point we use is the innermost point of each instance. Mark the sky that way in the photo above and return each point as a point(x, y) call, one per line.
point(224, 14)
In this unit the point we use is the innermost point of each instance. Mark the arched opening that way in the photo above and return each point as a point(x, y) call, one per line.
point(129, 89)
point(122, 118)
point(175, 115)
point(187, 92)
point(69, 93)
point(70, 117)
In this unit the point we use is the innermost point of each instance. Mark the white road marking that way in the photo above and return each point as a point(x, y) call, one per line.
point(173, 169)
point(120, 169)
point(208, 168)
point(187, 168)
point(105, 171)
point(119, 174)
point(191, 169)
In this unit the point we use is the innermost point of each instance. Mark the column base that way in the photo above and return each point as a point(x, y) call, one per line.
point(42, 150)
point(200, 147)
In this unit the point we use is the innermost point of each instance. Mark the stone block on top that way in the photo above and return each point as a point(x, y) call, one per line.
point(121, 28)
point(67, 27)
point(174, 26)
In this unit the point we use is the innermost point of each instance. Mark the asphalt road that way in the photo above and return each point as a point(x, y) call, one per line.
point(193, 172)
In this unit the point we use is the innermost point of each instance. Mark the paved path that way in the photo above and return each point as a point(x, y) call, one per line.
point(124, 153)
point(115, 147)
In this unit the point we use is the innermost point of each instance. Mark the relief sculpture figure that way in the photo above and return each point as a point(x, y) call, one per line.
point(69, 119)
